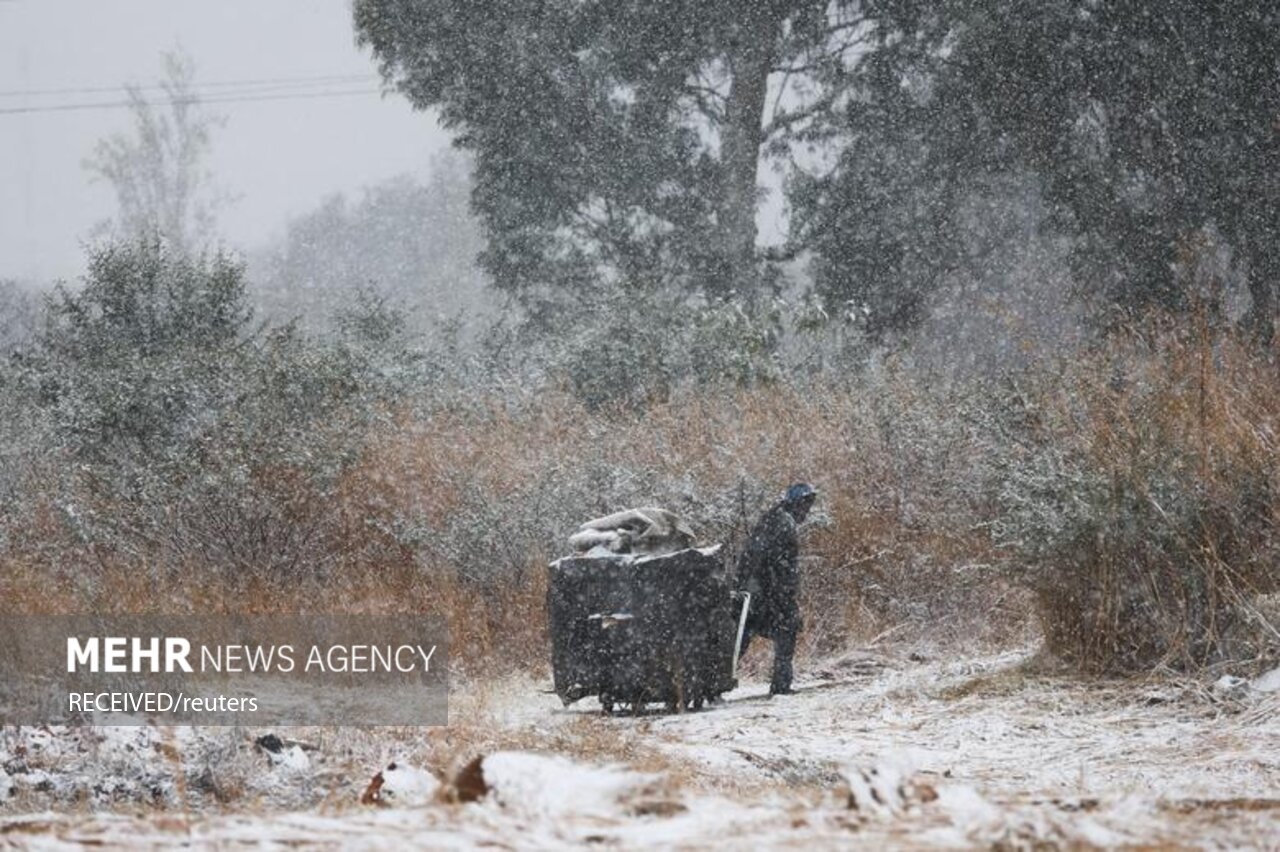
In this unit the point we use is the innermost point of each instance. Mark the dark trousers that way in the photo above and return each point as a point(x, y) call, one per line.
point(784, 649)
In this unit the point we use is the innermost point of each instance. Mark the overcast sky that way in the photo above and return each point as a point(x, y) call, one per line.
point(278, 157)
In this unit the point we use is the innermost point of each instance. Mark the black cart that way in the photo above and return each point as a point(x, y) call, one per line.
point(640, 630)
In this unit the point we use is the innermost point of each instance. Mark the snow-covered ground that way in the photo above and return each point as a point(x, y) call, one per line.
point(874, 750)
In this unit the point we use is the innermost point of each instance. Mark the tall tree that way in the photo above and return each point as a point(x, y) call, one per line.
point(618, 140)
point(1147, 127)
point(159, 171)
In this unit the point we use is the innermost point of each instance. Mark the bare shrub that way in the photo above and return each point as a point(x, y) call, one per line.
point(1141, 499)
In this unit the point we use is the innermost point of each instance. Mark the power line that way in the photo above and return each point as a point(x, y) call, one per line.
point(295, 96)
point(284, 82)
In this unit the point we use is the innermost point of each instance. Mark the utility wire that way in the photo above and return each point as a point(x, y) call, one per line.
point(294, 96)
point(282, 82)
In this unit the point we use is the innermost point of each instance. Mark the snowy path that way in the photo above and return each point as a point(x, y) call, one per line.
point(977, 752)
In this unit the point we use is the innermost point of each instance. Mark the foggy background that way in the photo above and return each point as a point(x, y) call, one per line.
point(275, 158)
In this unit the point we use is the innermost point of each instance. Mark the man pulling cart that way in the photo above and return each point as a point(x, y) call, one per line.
point(639, 616)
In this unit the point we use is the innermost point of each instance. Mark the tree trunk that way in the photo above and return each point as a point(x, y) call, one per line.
point(750, 61)
point(1260, 320)
point(1262, 272)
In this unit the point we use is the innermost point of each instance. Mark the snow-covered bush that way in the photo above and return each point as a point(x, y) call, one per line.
point(171, 429)
point(631, 348)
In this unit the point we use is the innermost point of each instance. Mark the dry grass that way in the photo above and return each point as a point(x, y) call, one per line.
point(457, 512)
point(873, 560)
point(1172, 441)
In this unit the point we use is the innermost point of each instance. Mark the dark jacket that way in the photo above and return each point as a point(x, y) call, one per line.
point(769, 570)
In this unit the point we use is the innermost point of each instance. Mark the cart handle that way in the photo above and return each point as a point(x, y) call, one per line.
point(742, 627)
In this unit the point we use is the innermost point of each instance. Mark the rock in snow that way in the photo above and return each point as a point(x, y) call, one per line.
point(888, 788)
point(546, 785)
point(293, 759)
point(401, 784)
point(1269, 682)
